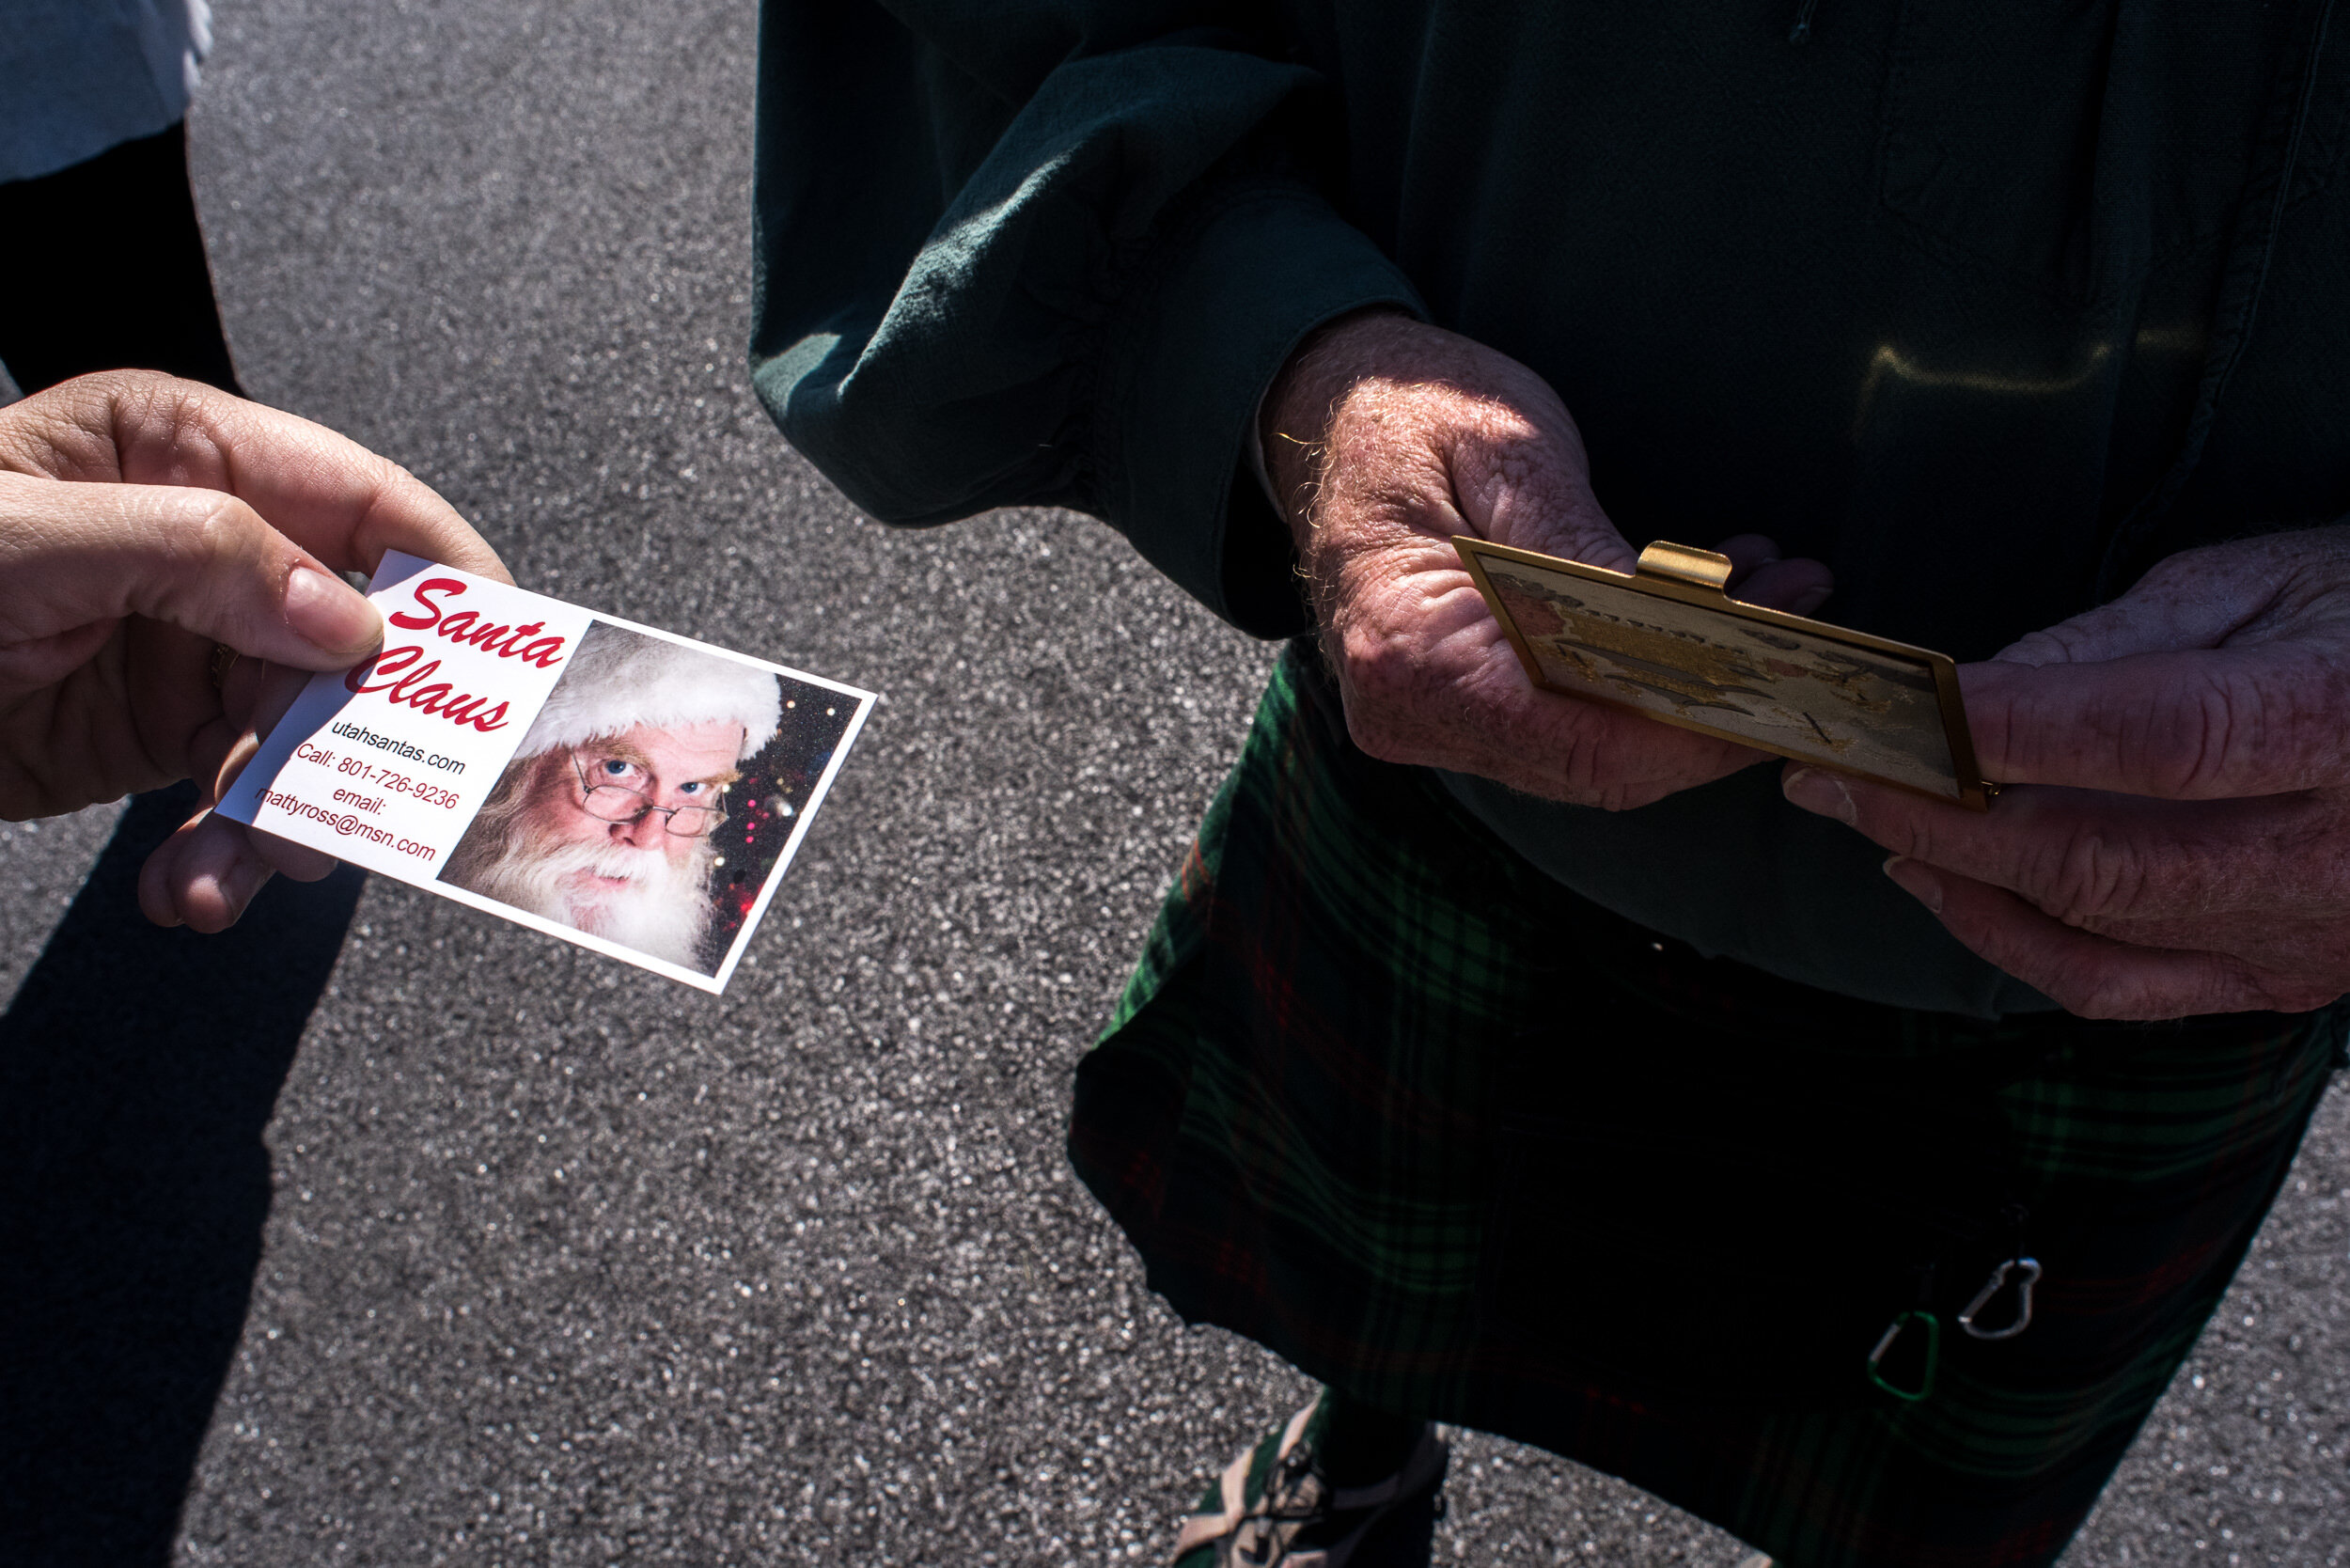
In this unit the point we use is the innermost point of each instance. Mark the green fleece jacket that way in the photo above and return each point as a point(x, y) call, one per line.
point(1986, 306)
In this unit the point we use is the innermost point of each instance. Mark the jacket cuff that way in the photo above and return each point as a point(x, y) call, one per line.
point(1231, 296)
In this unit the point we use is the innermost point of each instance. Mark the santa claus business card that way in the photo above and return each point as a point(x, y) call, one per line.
point(633, 792)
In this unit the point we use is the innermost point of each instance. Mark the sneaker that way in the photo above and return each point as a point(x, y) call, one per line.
point(1274, 1506)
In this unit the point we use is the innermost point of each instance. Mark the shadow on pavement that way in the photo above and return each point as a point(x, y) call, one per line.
point(138, 1067)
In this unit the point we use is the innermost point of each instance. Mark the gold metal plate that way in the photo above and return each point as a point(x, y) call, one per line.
point(1667, 643)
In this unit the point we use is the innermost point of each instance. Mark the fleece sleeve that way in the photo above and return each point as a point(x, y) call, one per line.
point(1049, 253)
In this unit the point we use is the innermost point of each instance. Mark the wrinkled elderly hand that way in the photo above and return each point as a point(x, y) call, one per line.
point(1386, 438)
point(142, 521)
point(2174, 838)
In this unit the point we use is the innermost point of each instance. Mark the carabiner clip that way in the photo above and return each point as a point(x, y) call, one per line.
point(2024, 1273)
point(1934, 1354)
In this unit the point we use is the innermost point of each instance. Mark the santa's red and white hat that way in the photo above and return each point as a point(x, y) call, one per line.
point(617, 680)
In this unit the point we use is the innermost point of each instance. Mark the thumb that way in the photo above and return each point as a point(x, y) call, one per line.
point(1757, 576)
point(83, 554)
point(1528, 488)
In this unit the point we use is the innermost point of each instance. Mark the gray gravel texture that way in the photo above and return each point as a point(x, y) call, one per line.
point(565, 1264)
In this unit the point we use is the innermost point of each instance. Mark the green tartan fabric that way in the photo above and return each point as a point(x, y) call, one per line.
point(1387, 1100)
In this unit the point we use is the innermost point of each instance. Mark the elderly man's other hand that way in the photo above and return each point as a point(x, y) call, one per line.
point(2174, 838)
point(1386, 438)
point(143, 521)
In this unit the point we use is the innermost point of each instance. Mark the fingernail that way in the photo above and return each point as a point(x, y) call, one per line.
point(329, 614)
point(232, 887)
point(1915, 879)
point(1822, 793)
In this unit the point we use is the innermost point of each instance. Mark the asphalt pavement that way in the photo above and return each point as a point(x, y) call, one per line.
point(525, 1257)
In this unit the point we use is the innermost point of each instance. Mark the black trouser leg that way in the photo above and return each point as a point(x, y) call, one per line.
point(104, 269)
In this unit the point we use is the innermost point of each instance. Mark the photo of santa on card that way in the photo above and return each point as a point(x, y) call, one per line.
point(644, 780)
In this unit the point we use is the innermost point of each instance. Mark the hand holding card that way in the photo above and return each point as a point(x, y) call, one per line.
point(1384, 440)
point(168, 548)
point(630, 791)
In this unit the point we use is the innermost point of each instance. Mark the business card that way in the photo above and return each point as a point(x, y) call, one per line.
point(620, 787)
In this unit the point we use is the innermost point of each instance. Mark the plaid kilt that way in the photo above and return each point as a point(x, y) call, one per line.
point(1392, 1103)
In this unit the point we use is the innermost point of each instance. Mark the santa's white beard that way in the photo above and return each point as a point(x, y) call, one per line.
point(664, 910)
